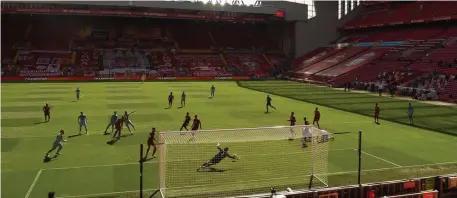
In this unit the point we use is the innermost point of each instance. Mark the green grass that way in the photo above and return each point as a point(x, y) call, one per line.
point(89, 166)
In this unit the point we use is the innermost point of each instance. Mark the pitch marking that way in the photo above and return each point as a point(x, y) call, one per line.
point(33, 183)
point(380, 158)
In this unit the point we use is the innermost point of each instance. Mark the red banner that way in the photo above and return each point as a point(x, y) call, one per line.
point(133, 78)
point(128, 13)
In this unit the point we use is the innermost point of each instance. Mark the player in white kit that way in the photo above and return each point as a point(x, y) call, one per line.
point(306, 136)
point(82, 120)
point(128, 122)
point(325, 136)
point(57, 143)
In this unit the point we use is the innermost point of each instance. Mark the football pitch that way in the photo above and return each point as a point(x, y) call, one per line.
point(88, 167)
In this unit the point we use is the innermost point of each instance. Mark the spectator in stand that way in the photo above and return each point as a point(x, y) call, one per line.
point(392, 89)
point(449, 95)
point(380, 88)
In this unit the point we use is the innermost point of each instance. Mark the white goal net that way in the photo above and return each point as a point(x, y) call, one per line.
point(191, 164)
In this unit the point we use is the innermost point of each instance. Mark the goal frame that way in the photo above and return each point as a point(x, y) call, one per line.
point(162, 152)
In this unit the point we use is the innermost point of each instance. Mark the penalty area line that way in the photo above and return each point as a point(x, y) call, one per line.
point(33, 183)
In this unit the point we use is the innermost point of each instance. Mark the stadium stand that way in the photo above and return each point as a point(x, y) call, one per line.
point(160, 47)
point(396, 55)
point(333, 60)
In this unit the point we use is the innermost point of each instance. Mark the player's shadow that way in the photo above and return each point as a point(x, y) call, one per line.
point(48, 159)
point(75, 135)
point(267, 112)
point(341, 133)
point(145, 159)
point(127, 135)
point(180, 107)
point(74, 101)
point(212, 170)
point(167, 108)
point(42, 122)
point(112, 142)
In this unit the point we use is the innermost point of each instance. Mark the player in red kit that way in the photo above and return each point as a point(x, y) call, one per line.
point(151, 143)
point(186, 122)
point(170, 99)
point(376, 113)
point(317, 117)
point(197, 124)
point(47, 112)
point(292, 121)
point(118, 125)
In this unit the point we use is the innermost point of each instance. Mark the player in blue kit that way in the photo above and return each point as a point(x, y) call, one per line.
point(183, 99)
point(213, 90)
point(82, 120)
point(78, 93)
point(223, 153)
point(57, 143)
point(411, 114)
point(112, 122)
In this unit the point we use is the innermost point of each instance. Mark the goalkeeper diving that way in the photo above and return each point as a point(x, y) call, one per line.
point(223, 153)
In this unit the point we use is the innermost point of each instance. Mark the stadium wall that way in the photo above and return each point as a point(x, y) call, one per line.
point(322, 29)
point(294, 12)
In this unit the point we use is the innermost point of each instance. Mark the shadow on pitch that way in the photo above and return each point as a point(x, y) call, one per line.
point(113, 141)
point(42, 122)
point(180, 107)
point(145, 159)
point(212, 170)
point(154, 193)
point(75, 135)
point(167, 108)
point(341, 133)
point(48, 159)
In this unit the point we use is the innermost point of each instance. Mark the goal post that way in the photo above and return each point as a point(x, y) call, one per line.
point(280, 156)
